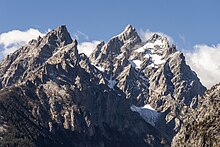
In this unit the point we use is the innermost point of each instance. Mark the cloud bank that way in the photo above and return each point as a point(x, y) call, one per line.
point(12, 40)
point(87, 47)
point(205, 61)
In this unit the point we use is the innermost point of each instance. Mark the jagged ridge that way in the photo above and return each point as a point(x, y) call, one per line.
point(59, 90)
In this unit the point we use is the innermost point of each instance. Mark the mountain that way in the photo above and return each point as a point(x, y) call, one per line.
point(201, 127)
point(151, 72)
point(126, 93)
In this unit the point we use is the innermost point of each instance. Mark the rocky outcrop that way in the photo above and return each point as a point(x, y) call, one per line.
point(201, 127)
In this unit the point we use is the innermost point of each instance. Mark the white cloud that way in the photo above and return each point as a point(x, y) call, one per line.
point(147, 34)
point(205, 60)
point(87, 47)
point(12, 40)
point(79, 34)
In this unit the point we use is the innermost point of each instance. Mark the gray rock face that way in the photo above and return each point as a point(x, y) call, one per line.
point(54, 96)
point(201, 127)
point(63, 100)
point(15, 67)
point(151, 72)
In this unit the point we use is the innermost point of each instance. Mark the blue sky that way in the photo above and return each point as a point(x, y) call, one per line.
point(195, 21)
point(193, 25)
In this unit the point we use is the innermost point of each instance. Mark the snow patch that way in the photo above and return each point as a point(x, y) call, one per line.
point(100, 68)
point(151, 52)
point(147, 56)
point(148, 106)
point(159, 42)
point(143, 48)
point(132, 63)
point(157, 59)
point(137, 63)
point(149, 114)
point(152, 65)
point(150, 46)
point(71, 65)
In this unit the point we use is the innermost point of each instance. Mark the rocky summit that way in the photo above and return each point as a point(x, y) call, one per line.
point(128, 92)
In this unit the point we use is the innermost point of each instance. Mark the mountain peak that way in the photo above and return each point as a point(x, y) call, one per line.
point(129, 33)
point(129, 28)
point(59, 36)
point(61, 28)
point(156, 37)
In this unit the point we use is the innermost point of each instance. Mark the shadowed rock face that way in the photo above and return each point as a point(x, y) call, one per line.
point(51, 95)
point(201, 127)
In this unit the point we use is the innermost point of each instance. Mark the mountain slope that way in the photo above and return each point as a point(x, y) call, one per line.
point(127, 93)
point(66, 101)
point(201, 127)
